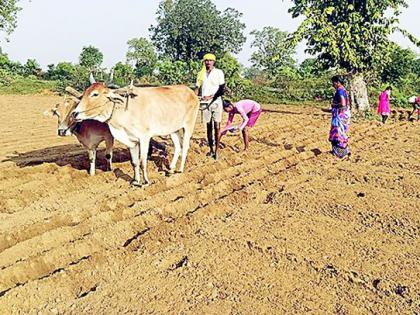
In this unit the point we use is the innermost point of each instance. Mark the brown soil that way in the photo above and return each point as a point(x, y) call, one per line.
point(283, 228)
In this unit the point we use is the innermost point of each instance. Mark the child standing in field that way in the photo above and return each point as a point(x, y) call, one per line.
point(415, 101)
point(249, 110)
point(383, 105)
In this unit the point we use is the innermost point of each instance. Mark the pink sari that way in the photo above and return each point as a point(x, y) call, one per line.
point(383, 106)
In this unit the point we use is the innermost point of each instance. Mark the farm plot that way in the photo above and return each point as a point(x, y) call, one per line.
point(282, 228)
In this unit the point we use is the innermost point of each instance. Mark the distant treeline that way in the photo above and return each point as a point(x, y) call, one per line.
point(187, 29)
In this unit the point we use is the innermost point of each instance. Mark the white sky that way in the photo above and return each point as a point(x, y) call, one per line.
point(52, 31)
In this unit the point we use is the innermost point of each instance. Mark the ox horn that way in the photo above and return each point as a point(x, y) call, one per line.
point(73, 92)
point(110, 83)
point(111, 76)
point(91, 78)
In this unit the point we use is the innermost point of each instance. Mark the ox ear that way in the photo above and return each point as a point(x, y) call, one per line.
point(125, 92)
point(132, 94)
point(114, 97)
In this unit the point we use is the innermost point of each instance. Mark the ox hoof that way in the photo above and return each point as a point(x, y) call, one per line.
point(173, 172)
point(135, 183)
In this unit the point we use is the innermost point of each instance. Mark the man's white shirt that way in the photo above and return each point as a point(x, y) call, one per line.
point(212, 81)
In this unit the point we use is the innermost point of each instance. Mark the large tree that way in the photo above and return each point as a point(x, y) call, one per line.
point(187, 29)
point(91, 58)
point(273, 52)
point(8, 15)
point(123, 74)
point(142, 54)
point(352, 35)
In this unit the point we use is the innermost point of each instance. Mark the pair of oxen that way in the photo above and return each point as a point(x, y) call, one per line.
point(132, 115)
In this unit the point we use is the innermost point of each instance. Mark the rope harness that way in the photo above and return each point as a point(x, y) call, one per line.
point(103, 105)
point(204, 106)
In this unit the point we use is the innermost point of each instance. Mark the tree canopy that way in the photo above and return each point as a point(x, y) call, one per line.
point(32, 67)
point(310, 68)
point(353, 35)
point(123, 74)
point(142, 54)
point(187, 29)
point(273, 52)
point(91, 58)
point(8, 14)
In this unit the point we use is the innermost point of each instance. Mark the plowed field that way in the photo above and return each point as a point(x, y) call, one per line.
point(282, 229)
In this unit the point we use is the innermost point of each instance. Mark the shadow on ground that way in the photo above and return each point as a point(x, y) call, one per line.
point(77, 157)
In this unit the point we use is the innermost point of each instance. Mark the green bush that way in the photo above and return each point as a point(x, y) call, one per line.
point(284, 90)
point(5, 77)
point(307, 89)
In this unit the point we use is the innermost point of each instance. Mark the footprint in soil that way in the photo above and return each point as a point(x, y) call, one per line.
point(331, 270)
point(300, 149)
point(270, 198)
point(316, 151)
point(202, 142)
point(401, 290)
point(375, 283)
point(288, 146)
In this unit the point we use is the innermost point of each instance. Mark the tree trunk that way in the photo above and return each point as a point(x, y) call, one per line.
point(360, 93)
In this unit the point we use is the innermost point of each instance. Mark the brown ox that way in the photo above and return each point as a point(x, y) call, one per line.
point(135, 115)
point(90, 133)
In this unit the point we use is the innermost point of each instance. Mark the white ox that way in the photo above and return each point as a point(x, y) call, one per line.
point(90, 133)
point(135, 115)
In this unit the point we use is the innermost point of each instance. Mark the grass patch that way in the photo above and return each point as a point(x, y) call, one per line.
point(27, 86)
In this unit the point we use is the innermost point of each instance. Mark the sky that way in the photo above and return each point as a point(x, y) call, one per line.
point(53, 31)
